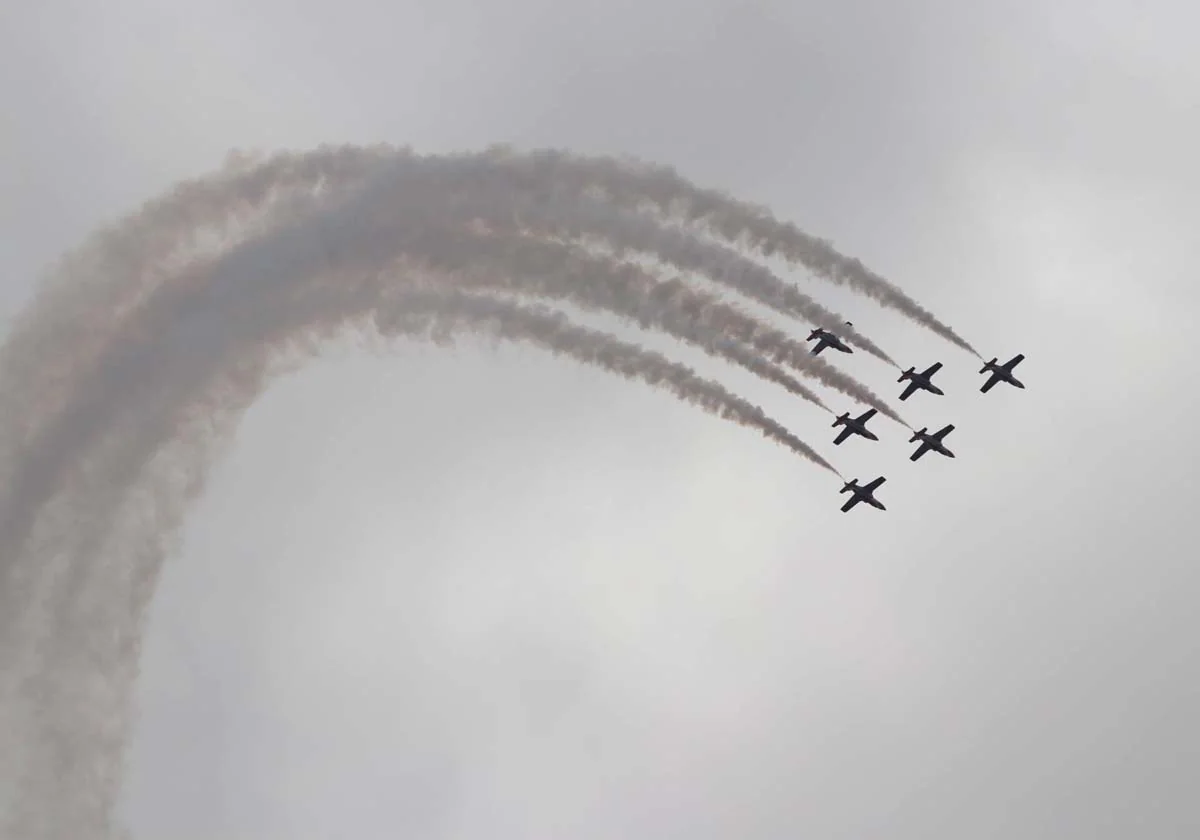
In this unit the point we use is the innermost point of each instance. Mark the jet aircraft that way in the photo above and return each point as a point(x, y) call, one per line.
point(1002, 373)
point(862, 493)
point(920, 381)
point(827, 339)
point(854, 426)
point(931, 441)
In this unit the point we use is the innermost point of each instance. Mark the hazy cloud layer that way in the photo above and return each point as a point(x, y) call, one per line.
point(625, 619)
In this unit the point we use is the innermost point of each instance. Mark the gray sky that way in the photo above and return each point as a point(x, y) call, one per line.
point(491, 595)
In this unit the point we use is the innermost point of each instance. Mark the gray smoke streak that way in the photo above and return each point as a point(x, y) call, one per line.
point(630, 230)
point(76, 717)
point(633, 183)
point(554, 270)
point(136, 254)
point(418, 219)
point(70, 727)
point(551, 208)
point(563, 207)
point(132, 367)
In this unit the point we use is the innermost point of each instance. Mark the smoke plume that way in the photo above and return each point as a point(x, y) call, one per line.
point(127, 375)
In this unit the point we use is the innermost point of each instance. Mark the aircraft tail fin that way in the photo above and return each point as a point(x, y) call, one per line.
point(985, 368)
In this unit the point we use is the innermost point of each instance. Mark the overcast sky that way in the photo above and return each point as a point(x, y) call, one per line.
point(483, 594)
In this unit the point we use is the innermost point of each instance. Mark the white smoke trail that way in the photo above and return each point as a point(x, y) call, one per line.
point(76, 713)
point(133, 365)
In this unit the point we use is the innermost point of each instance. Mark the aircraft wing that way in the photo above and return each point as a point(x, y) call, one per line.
point(932, 369)
point(820, 345)
point(866, 415)
point(1013, 362)
point(921, 450)
point(987, 386)
point(874, 485)
point(908, 392)
point(845, 433)
point(853, 501)
point(939, 435)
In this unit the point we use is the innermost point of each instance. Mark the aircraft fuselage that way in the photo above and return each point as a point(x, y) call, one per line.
point(923, 383)
point(1005, 376)
point(931, 441)
point(937, 446)
point(861, 494)
point(825, 338)
point(857, 427)
point(1002, 373)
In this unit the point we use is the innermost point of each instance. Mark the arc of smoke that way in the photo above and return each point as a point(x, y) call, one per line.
point(440, 236)
point(361, 233)
point(554, 332)
point(553, 271)
point(688, 252)
point(631, 183)
point(565, 207)
point(549, 209)
point(634, 183)
point(87, 293)
point(420, 220)
point(134, 255)
point(556, 270)
point(123, 262)
point(90, 743)
point(148, 418)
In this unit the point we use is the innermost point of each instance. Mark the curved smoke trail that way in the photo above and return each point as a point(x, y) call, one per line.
point(130, 369)
point(375, 227)
point(240, 324)
point(88, 462)
point(540, 200)
point(634, 183)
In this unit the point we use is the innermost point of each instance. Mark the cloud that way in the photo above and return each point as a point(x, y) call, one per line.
point(1037, 585)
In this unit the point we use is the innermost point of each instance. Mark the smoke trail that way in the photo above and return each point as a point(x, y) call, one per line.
point(558, 270)
point(556, 205)
point(554, 270)
point(385, 219)
point(634, 183)
point(240, 188)
point(359, 232)
point(553, 193)
point(79, 307)
point(127, 363)
point(49, 453)
point(548, 208)
point(450, 241)
point(555, 333)
point(169, 225)
point(688, 252)
point(74, 718)
point(128, 373)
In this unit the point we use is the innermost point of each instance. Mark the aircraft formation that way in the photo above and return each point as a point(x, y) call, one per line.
point(917, 381)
